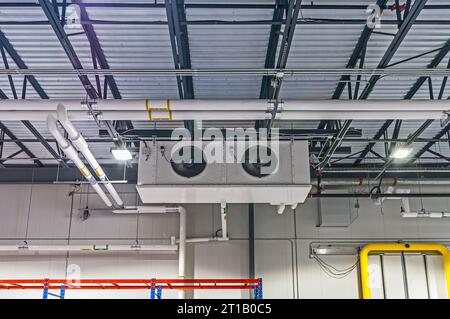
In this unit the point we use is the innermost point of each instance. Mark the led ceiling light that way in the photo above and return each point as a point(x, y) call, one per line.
point(121, 154)
point(402, 152)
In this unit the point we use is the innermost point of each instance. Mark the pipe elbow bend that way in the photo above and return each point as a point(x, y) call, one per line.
point(64, 120)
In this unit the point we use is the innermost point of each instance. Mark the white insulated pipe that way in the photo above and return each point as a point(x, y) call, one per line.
point(80, 143)
point(182, 241)
point(141, 110)
point(223, 217)
point(182, 250)
point(88, 248)
point(72, 154)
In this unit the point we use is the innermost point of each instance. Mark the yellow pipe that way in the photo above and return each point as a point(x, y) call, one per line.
point(406, 247)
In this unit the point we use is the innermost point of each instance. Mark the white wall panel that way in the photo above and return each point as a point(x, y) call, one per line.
point(50, 218)
point(416, 277)
point(226, 260)
point(272, 264)
point(393, 277)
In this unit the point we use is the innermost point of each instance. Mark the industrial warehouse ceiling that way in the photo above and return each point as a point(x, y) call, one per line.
point(226, 35)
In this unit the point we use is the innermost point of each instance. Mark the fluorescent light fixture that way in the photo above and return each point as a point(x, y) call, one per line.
point(121, 154)
point(425, 214)
point(402, 152)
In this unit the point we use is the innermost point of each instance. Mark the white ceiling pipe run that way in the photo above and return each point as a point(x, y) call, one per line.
point(113, 115)
point(72, 154)
point(80, 143)
point(87, 248)
point(363, 110)
point(231, 109)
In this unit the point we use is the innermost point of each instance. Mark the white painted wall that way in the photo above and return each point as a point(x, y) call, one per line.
point(282, 242)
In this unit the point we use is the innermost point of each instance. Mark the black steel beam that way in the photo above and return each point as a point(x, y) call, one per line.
point(377, 136)
point(286, 42)
point(411, 138)
point(437, 154)
point(434, 63)
point(3, 96)
point(441, 133)
point(404, 28)
point(395, 134)
point(179, 40)
point(99, 55)
point(67, 46)
point(2, 137)
point(412, 91)
point(10, 78)
point(74, 60)
point(47, 146)
point(95, 43)
point(212, 5)
point(320, 21)
point(48, 175)
point(21, 65)
point(6, 45)
point(275, 31)
point(356, 54)
point(273, 91)
point(20, 145)
point(444, 83)
point(335, 143)
point(408, 22)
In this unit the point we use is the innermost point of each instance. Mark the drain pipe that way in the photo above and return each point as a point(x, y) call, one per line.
point(182, 250)
point(80, 143)
point(223, 217)
point(72, 154)
point(182, 241)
